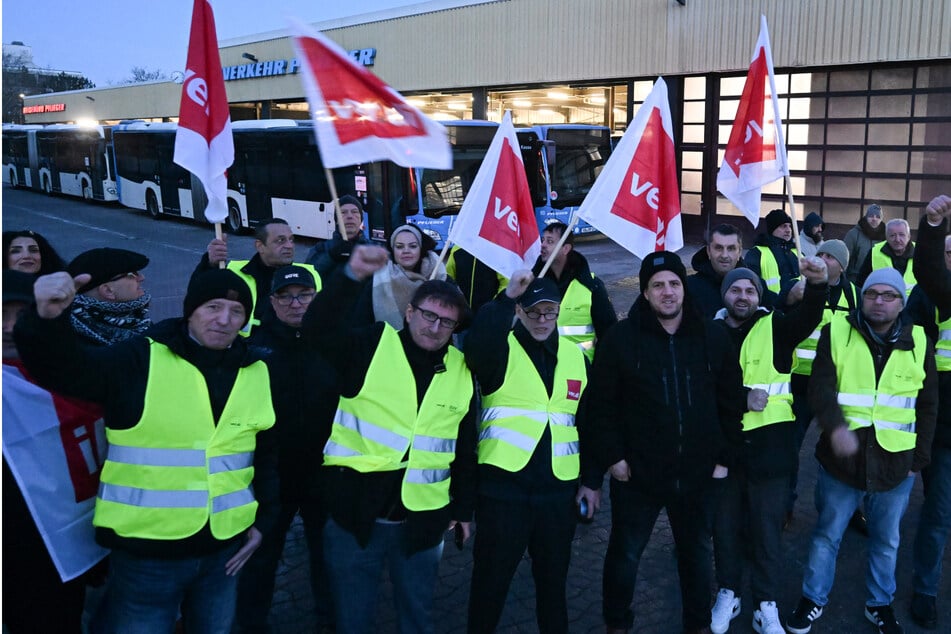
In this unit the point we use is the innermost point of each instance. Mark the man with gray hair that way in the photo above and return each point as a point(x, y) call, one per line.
point(896, 252)
point(877, 421)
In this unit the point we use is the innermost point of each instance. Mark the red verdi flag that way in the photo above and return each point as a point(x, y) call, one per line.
point(497, 221)
point(203, 142)
point(636, 199)
point(755, 155)
point(357, 117)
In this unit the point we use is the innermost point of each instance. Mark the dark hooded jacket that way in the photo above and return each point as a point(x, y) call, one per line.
point(860, 239)
point(664, 403)
point(116, 377)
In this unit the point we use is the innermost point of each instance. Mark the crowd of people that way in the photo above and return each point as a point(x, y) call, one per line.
point(386, 403)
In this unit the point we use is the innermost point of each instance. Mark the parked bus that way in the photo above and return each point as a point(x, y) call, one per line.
point(561, 163)
point(575, 155)
point(74, 160)
point(277, 173)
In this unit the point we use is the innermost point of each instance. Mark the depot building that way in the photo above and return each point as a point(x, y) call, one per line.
point(864, 85)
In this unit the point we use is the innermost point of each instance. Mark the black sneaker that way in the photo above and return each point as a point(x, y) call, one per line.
point(924, 612)
point(884, 617)
point(800, 621)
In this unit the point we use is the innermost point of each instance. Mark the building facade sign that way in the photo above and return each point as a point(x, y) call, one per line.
point(46, 107)
point(274, 67)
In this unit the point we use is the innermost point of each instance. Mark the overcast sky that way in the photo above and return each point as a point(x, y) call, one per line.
point(104, 39)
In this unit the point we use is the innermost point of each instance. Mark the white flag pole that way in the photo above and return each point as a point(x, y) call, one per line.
point(333, 192)
point(780, 138)
point(564, 236)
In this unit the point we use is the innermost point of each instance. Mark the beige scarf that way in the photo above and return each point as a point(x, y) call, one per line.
point(393, 288)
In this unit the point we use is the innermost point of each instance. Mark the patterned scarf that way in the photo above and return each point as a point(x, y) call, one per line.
point(394, 286)
point(107, 323)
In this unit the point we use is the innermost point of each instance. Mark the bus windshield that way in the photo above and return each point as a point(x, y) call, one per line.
point(444, 190)
point(580, 154)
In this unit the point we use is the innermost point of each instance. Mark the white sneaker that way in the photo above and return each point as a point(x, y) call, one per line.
point(766, 619)
point(724, 610)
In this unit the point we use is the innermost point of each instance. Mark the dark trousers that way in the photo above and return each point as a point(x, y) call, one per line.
point(633, 515)
point(256, 581)
point(504, 529)
point(760, 507)
point(803, 414)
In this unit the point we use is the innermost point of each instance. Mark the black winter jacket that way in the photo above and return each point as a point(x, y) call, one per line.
point(663, 402)
point(305, 394)
point(116, 377)
point(934, 280)
point(770, 451)
point(487, 353)
point(356, 500)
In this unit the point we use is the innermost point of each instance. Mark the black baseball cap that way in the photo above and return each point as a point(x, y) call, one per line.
point(541, 289)
point(290, 275)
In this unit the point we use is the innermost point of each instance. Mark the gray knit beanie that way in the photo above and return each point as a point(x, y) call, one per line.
point(741, 274)
point(889, 277)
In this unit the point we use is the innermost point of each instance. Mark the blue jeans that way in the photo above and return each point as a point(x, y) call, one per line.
point(835, 503)
point(935, 523)
point(144, 595)
point(355, 578)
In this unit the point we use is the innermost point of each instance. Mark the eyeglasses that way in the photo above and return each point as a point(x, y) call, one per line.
point(131, 274)
point(887, 296)
point(286, 299)
point(431, 317)
point(535, 315)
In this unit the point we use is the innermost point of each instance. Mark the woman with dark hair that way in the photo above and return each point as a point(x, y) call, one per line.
point(413, 262)
point(30, 252)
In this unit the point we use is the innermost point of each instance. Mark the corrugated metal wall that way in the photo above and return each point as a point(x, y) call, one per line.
point(530, 41)
point(514, 42)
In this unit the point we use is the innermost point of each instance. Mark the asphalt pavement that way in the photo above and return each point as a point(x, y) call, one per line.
point(174, 248)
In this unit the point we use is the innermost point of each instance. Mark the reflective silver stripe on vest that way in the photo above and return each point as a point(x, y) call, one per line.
point(334, 449)
point(900, 402)
point(232, 500)
point(156, 457)
point(232, 462)
point(772, 280)
point(514, 438)
point(885, 424)
point(815, 334)
point(941, 352)
point(565, 448)
point(557, 418)
point(370, 431)
point(575, 330)
point(805, 354)
point(561, 418)
point(426, 476)
point(436, 445)
point(944, 335)
point(151, 498)
point(586, 345)
point(856, 400)
point(495, 413)
point(773, 389)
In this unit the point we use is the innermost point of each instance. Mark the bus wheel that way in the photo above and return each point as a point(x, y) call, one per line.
point(151, 205)
point(234, 218)
point(87, 191)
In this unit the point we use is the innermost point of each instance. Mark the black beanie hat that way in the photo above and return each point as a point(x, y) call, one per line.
point(661, 261)
point(776, 218)
point(217, 284)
